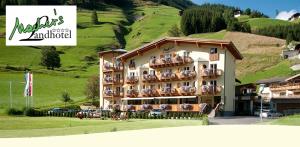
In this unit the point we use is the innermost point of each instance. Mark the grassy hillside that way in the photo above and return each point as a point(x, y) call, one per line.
point(265, 22)
point(154, 24)
point(215, 35)
point(75, 69)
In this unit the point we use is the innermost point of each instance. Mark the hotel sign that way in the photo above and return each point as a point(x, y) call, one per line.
point(41, 26)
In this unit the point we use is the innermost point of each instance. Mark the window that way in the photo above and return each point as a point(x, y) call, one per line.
point(213, 83)
point(186, 68)
point(131, 87)
point(213, 50)
point(152, 86)
point(132, 61)
point(203, 82)
point(131, 74)
point(167, 56)
point(213, 66)
point(152, 72)
point(186, 54)
point(169, 85)
point(118, 89)
point(168, 70)
point(118, 76)
point(153, 57)
point(186, 83)
point(144, 86)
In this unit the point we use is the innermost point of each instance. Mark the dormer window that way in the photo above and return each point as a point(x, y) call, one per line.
point(213, 50)
point(132, 64)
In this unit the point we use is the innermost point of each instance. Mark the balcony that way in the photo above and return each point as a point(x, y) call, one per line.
point(132, 93)
point(167, 107)
point(176, 60)
point(187, 75)
point(168, 76)
point(109, 67)
point(108, 93)
point(214, 57)
point(290, 86)
point(132, 79)
point(150, 78)
point(112, 81)
point(118, 94)
point(187, 90)
point(211, 90)
point(211, 73)
point(148, 92)
point(168, 91)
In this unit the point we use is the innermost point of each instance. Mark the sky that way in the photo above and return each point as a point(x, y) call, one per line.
point(268, 7)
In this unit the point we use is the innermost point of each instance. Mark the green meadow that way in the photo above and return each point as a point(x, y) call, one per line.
point(54, 126)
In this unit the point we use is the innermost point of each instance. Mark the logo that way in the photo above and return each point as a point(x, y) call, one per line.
point(41, 25)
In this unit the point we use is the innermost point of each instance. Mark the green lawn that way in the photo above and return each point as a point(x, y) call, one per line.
point(47, 89)
point(153, 25)
point(213, 35)
point(51, 126)
point(293, 120)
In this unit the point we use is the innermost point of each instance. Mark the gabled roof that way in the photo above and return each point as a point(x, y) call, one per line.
point(177, 40)
point(277, 79)
point(120, 51)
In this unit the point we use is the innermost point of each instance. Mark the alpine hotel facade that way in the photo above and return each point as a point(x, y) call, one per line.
point(175, 74)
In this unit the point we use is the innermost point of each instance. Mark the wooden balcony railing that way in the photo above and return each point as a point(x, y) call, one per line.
point(150, 92)
point(112, 81)
point(291, 86)
point(175, 60)
point(132, 79)
point(168, 76)
point(211, 90)
point(187, 90)
point(187, 75)
point(168, 91)
point(166, 107)
point(211, 73)
point(150, 78)
point(109, 67)
point(118, 94)
point(132, 93)
point(214, 57)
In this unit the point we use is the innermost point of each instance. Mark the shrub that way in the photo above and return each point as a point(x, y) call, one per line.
point(29, 112)
point(14, 111)
point(205, 121)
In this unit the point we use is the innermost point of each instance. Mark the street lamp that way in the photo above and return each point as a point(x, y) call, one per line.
point(261, 89)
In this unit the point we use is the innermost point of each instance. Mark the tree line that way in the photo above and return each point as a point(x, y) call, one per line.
point(212, 18)
point(289, 32)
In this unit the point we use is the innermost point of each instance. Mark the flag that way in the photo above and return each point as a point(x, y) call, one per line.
point(28, 84)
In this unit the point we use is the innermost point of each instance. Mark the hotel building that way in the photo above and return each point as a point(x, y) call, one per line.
point(175, 74)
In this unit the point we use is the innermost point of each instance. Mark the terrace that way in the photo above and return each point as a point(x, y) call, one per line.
point(109, 67)
point(211, 73)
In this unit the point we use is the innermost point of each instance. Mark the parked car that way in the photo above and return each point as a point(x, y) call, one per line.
point(55, 110)
point(270, 114)
point(274, 114)
point(96, 114)
point(157, 112)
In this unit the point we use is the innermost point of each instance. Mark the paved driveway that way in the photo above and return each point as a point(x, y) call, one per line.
point(235, 120)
